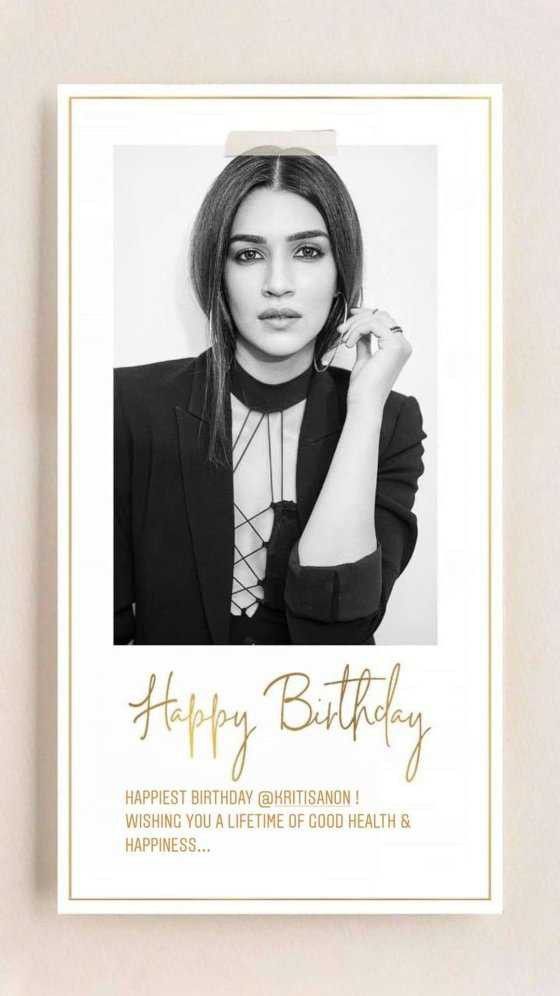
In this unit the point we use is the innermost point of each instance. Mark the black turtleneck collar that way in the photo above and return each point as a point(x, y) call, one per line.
point(262, 397)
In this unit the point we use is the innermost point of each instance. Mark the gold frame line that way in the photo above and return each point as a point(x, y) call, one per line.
point(311, 97)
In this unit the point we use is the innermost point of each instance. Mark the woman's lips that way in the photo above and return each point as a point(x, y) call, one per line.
point(281, 322)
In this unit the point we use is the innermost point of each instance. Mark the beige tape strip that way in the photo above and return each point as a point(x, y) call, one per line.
point(267, 142)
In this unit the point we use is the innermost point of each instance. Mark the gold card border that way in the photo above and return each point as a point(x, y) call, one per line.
point(332, 96)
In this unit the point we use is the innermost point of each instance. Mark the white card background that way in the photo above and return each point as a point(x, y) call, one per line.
point(448, 858)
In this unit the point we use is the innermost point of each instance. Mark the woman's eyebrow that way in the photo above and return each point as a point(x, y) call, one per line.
point(259, 240)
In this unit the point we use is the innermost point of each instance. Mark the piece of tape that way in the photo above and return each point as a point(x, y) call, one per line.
point(291, 142)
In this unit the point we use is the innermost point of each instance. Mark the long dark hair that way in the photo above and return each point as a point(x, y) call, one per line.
point(300, 172)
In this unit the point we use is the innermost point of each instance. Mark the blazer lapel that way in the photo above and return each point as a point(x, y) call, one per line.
point(208, 493)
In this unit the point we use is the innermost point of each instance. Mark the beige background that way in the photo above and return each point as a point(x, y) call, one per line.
point(43, 44)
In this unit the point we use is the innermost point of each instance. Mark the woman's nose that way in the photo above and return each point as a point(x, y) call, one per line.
point(278, 279)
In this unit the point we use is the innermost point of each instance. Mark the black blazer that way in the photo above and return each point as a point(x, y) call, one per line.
point(174, 525)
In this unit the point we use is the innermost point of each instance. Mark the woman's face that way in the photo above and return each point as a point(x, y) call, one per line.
point(280, 274)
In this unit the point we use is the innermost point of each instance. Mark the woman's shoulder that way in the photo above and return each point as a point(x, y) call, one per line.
point(161, 370)
point(149, 386)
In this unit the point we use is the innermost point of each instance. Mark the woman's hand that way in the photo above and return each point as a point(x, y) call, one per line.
point(373, 374)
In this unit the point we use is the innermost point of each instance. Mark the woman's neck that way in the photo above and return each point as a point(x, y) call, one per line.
point(275, 369)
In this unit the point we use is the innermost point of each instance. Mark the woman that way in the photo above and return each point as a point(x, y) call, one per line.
point(263, 495)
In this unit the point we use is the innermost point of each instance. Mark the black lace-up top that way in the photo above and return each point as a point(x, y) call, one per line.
point(266, 422)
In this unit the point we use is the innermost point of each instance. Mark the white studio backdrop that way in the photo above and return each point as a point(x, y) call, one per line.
point(157, 192)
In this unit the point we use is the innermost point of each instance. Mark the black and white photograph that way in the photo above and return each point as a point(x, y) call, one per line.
point(275, 358)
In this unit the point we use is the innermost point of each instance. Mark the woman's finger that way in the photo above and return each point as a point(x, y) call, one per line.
point(378, 312)
point(382, 318)
point(366, 313)
point(360, 329)
point(363, 348)
point(374, 320)
point(366, 321)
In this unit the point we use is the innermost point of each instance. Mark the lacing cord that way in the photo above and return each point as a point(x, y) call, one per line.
point(246, 520)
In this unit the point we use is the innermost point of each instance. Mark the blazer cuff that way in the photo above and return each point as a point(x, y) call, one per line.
point(334, 594)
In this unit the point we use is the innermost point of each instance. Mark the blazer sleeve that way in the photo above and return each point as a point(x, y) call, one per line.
point(345, 603)
point(124, 596)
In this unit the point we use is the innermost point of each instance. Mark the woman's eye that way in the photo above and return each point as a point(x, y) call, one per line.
point(308, 251)
point(245, 255)
point(304, 252)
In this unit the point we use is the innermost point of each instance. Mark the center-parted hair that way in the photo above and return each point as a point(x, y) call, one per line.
point(298, 171)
